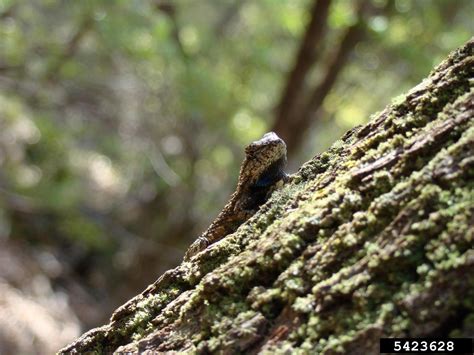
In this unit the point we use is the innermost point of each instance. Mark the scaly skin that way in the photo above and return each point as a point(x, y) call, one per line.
point(260, 172)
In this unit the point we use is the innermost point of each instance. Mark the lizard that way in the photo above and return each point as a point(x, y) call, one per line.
point(261, 171)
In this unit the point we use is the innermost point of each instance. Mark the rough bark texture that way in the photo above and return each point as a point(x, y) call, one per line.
point(372, 238)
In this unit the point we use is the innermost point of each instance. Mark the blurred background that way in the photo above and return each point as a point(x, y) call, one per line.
point(122, 127)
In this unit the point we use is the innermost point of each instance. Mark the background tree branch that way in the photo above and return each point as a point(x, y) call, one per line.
point(299, 103)
point(305, 59)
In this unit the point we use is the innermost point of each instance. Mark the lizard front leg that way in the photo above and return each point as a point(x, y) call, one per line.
point(198, 245)
point(226, 223)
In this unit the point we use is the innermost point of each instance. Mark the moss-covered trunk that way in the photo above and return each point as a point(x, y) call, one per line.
point(372, 238)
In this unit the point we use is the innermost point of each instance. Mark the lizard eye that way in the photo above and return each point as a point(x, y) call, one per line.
point(252, 147)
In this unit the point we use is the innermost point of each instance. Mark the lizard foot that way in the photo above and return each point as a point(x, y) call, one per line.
point(198, 245)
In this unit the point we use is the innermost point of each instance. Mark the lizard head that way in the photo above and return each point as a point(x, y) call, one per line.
point(267, 149)
point(264, 156)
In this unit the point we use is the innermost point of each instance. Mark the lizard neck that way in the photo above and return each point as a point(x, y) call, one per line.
point(253, 189)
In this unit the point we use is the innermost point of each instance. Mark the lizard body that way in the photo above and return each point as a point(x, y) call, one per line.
point(260, 171)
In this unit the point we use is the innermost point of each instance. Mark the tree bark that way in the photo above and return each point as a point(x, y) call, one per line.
point(370, 239)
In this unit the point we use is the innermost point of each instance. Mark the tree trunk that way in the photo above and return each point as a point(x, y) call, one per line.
point(370, 239)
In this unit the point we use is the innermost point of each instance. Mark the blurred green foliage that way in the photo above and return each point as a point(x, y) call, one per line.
point(138, 110)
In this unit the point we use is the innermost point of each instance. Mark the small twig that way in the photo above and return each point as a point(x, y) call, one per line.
point(71, 47)
point(170, 10)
